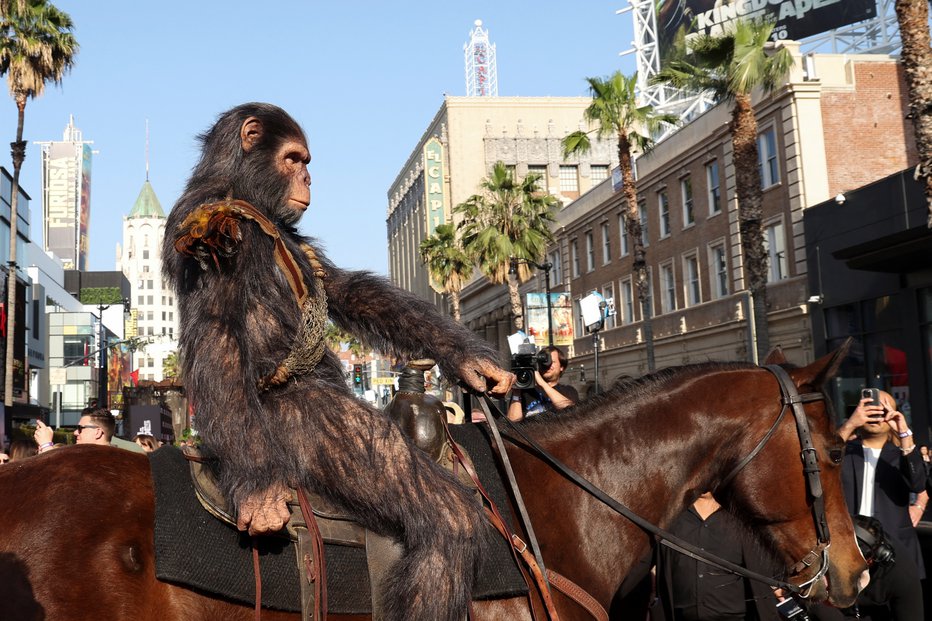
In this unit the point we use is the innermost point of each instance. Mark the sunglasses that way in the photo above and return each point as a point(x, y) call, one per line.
point(81, 428)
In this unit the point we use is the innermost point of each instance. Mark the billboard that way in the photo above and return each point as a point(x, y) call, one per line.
point(85, 207)
point(561, 312)
point(795, 19)
point(60, 201)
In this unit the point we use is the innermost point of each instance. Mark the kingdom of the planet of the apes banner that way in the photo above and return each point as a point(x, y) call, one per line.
point(795, 19)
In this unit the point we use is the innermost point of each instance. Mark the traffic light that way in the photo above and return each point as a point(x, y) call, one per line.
point(357, 374)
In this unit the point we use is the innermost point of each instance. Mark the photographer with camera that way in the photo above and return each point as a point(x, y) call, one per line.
point(538, 388)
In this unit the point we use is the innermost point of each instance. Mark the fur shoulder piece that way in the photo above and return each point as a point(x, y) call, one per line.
point(212, 231)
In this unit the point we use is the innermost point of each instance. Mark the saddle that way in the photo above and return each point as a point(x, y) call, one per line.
point(317, 521)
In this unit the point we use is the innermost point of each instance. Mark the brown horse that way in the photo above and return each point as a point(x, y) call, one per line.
point(76, 524)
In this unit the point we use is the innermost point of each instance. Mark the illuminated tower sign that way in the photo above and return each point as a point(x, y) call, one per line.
point(66, 197)
point(481, 70)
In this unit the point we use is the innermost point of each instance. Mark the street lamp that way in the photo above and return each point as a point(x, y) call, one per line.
point(546, 267)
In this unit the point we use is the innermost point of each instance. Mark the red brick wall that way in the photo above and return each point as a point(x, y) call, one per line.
point(867, 135)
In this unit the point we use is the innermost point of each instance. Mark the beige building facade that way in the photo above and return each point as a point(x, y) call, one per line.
point(461, 145)
point(837, 124)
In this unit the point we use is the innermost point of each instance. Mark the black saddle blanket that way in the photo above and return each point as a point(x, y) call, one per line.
point(198, 551)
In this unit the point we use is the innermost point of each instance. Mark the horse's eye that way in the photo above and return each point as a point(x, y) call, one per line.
point(835, 455)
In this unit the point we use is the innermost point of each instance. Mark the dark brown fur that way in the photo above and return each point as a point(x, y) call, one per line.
point(238, 323)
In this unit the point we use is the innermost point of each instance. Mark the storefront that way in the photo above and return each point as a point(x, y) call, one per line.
point(869, 253)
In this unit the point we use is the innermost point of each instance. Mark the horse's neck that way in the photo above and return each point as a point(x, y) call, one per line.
point(624, 448)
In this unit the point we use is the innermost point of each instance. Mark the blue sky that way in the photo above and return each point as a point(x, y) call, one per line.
point(363, 78)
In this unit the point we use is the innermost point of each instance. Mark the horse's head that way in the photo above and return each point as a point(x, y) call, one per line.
point(773, 493)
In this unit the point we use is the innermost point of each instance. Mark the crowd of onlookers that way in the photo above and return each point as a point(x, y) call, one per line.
point(96, 426)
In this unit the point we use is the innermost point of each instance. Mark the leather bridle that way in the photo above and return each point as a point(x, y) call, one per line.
point(791, 399)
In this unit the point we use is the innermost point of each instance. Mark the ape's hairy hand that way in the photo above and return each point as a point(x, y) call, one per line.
point(478, 373)
point(265, 511)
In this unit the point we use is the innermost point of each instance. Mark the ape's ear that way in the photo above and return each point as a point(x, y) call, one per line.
point(251, 133)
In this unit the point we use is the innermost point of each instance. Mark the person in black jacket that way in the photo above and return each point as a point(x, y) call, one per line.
point(878, 475)
point(690, 590)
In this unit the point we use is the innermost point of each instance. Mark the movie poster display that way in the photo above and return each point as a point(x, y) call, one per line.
point(795, 19)
point(561, 311)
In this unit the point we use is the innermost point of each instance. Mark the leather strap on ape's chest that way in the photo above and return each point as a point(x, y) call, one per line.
point(213, 228)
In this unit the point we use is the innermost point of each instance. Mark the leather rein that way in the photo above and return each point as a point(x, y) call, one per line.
point(791, 399)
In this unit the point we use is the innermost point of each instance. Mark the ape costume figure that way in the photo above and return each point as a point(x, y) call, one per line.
point(271, 400)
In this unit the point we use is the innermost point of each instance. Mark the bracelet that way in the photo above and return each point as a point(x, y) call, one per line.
point(46, 445)
point(904, 434)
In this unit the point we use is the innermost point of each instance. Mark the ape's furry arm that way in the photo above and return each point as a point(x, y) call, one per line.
point(393, 320)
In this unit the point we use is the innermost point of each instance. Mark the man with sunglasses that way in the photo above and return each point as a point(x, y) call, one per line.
point(95, 427)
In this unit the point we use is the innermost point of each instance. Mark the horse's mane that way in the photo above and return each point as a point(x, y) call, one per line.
point(632, 391)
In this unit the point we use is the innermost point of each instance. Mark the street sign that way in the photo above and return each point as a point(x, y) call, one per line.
point(58, 376)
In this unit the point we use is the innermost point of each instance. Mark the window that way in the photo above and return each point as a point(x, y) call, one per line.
point(141, 299)
point(540, 171)
point(606, 244)
point(775, 245)
point(715, 193)
point(691, 275)
point(719, 267)
point(627, 302)
point(145, 255)
point(686, 190)
point(608, 293)
point(767, 158)
point(574, 257)
point(569, 180)
point(590, 253)
point(149, 316)
point(623, 234)
point(667, 288)
point(642, 214)
point(598, 173)
point(556, 272)
point(75, 350)
point(149, 299)
point(664, 211)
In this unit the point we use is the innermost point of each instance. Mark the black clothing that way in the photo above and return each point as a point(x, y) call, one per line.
point(896, 476)
point(535, 401)
point(704, 593)
point(892, 595)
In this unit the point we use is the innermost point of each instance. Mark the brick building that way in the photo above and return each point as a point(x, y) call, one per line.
point(837, 124)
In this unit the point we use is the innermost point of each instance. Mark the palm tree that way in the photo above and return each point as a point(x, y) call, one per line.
point(171, 366)
point(36, 46)
point(448, 263)
point(913, 18)
point(335, 338)
point(731, 66)
point(506, 226)
point(615, 112)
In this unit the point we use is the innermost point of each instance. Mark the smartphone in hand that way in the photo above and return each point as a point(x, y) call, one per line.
point(874, 395)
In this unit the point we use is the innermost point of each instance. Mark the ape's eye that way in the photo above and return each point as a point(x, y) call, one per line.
point(836, 455)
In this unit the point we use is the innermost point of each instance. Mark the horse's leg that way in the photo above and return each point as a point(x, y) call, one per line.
point(354, 454)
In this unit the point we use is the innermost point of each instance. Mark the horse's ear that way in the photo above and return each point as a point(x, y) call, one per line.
point(823, 369)
point(775, 356)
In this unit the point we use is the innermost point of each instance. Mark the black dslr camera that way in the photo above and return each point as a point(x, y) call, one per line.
point(872, 541)
point(526, 361)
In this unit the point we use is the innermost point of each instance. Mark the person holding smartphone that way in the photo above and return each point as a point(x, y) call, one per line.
point(880, 470)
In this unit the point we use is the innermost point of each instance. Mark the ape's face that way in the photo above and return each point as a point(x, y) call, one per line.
point(292, 159)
